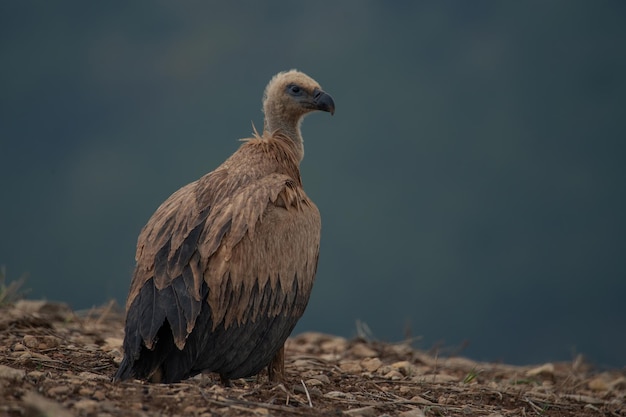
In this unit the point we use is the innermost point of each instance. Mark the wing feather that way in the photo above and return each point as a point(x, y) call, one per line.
point(264, 231)
point(151, 318)
point(284, 249)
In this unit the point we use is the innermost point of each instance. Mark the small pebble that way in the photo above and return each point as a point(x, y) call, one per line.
point(49, 342)
point(90, 376)
point(351, 367)
point(99, 395)
point(361, 350)
point(420, 400)
point(383, 370)
point(339, 394)
point(11, 374)
point(598, 384)
point(40, 357)
point(415, 412)
point(190, 410)
point(86, 405)
point(30, 341)
point(36, 374)
point(435, 379)
point(322, 378)
point(334, 345)
point(371, 364)
point(404, 367)
point(394, 375)
point(368, 411)
point(313, 382)
point(60, 390)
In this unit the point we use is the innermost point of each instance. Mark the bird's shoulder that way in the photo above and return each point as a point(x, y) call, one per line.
point(234, 196)
point(219, 208)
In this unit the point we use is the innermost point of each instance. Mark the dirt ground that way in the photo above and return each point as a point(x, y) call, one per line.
point(56, 362)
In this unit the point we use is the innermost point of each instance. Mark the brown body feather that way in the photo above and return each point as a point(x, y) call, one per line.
point(225, 266)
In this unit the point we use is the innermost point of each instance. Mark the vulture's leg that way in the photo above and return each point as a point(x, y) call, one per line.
point(157, 376)
point(276, 368)
point(225, 381)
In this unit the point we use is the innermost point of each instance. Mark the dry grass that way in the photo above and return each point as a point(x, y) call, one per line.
point(13, 291)
point(54, 362)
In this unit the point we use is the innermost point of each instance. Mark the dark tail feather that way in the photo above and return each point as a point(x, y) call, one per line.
point(124, 372)
point(149, 364)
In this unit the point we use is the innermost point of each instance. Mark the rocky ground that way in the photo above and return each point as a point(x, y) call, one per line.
point(56, 362)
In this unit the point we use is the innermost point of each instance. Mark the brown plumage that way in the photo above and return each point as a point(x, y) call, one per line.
point(225, 266)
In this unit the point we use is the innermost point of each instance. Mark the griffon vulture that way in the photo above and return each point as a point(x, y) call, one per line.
point(226, 264)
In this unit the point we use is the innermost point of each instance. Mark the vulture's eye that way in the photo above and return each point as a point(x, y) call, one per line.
point(294, 89)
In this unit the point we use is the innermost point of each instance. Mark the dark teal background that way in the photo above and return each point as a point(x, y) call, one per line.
point(471, 183)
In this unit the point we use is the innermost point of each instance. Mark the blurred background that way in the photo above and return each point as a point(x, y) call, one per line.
point(472, 182)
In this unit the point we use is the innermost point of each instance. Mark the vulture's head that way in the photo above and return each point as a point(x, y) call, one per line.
point(291, 95)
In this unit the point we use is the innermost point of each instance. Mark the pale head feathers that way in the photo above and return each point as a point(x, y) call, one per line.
point(279, 82)
point(288, 97)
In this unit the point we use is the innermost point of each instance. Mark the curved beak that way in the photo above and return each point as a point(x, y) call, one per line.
point(323, 101)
